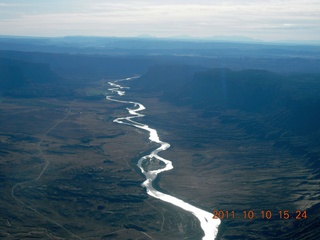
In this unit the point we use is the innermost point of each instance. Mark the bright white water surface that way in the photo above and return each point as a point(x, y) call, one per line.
point(208, 224)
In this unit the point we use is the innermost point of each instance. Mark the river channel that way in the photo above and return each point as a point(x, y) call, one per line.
point(152, 164)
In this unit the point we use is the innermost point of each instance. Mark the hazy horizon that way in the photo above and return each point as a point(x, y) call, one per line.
point(270, 21)
point(182, 38)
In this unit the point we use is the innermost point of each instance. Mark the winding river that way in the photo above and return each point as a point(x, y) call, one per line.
point(151, 165)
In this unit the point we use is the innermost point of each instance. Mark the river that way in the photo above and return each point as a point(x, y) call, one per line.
point(152, 164)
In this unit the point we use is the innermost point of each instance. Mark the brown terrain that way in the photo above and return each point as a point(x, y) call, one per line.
point(69, 172)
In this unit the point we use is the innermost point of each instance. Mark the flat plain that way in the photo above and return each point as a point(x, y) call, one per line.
point(90, 187)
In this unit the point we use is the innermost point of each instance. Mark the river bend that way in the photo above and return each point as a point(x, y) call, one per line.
point(152, 164)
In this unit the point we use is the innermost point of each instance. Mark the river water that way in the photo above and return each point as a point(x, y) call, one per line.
point(152, 164)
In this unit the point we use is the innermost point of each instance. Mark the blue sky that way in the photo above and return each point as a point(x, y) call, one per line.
point(269, 20)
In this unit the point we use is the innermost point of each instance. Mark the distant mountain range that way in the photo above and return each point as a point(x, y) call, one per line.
point(213, 47)
point(19, 78)
point(288, 102)
point(252, 91)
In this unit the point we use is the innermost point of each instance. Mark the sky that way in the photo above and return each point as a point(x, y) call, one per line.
point(268, 20)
